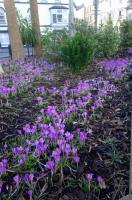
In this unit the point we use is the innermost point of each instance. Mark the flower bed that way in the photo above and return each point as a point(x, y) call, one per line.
point(51, 147)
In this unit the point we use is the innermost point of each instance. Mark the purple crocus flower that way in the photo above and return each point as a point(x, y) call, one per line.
point(74, 151)
point(41, 89)
point(89, 177)
point(29, 177)
point(76, 158)
point(39, 99)
point(22, 159)
point(26, 149)
point(61, 144)
point(50, 165)
point(67, 149)
point(51, 111)
point(3, 165)
point(99, 178)
point(69, 136)
point(101, 182)
point(89, 132)
point(39, 118)
point(82, 136)
point(17, 150)
point(99, 102)
point(42, 111)
point(16, 180)
point(30, 192)
point(30, 128)
point(5, 146)
point(56, 155)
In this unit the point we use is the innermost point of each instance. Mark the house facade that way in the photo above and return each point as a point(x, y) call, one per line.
point(116, 9)
point(53, 14)
point(129, 9)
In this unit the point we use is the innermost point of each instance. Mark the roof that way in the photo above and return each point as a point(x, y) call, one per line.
point(58, 7)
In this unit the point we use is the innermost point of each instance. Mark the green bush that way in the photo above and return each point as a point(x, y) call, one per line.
point(26, 30)
point(78, 47)
point(78, 50)
point(56, 43)
point(107, 40)
point(126, 33)
point(82, 26)
point(51, 41)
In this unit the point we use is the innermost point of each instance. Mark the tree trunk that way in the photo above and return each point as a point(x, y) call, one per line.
point(13, 29)
point(36, 26)
point(71, 15)
point(96, 5)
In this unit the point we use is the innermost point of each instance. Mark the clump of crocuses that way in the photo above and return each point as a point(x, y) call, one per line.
point(54, 140)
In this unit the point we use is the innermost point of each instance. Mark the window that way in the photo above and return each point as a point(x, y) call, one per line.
point(54, 19)
point(59, 15)
point(57, 18)
point(2, 17)
point(4, 39)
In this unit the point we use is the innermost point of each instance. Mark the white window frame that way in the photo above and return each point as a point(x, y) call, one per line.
point(57, 13)
point(2, 15)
